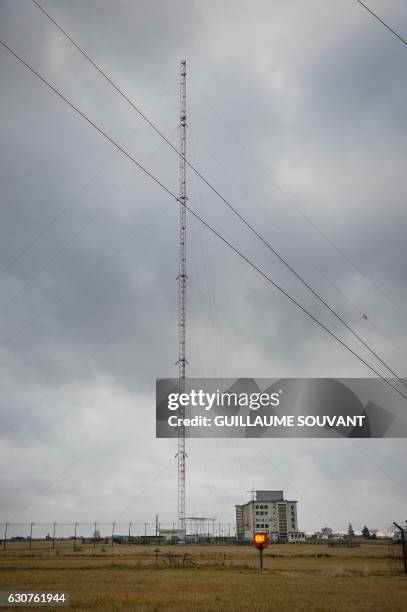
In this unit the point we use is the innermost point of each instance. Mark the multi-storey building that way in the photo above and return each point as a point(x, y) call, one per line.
point(268, 511)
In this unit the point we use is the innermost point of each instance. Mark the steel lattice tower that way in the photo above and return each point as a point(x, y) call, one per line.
point(182, 281)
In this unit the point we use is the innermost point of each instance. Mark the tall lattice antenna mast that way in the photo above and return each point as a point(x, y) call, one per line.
point(182, 280)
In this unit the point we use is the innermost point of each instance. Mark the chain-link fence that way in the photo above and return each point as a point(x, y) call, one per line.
point(54, 535)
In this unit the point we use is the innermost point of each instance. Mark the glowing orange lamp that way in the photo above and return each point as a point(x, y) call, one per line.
point(261, 540)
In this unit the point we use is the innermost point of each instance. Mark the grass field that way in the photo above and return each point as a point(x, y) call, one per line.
point(297, 577)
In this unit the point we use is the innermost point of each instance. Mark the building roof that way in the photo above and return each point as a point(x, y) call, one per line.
point(271, 496)
point(264, 496)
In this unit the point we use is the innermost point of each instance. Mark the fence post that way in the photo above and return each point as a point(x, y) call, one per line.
point(94, 536)
point(31, 536)
point(403, 543)
point(53, 536)
point(5, 536)
point(112, 533)
point(74, 538)
point(129, 532)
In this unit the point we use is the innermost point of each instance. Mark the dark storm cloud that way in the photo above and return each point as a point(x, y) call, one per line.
point(306, 97)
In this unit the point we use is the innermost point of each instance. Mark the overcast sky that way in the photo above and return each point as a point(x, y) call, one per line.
point(297, 114)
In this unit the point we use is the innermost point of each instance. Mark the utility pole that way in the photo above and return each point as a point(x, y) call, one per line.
point(182, 284)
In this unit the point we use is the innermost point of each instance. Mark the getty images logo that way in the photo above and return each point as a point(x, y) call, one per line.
point(217, 399)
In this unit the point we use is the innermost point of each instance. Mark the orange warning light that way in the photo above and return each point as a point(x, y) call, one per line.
point(261, 540)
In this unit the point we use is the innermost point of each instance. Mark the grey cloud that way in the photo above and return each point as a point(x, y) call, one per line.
point(316, 94)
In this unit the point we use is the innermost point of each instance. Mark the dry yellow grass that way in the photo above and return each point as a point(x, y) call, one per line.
point(302, 577)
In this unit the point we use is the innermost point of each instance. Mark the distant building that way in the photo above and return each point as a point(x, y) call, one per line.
point(269, 512)
point(169, 535)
